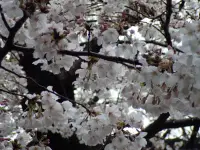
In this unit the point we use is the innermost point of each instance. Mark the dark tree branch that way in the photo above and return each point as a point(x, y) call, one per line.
point(161, 124)
point(25, 49)
point(104, 57)
point(181, 6)
point(16, 28)
point(181, 123)
point(13, 93)
point(13, 31)
point(155, 42)
point(123, 61)
point(169, 12)
point(156, 126)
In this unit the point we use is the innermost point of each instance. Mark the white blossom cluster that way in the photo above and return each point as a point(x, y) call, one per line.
point(175, 90)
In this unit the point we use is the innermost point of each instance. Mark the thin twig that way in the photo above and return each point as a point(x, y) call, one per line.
point(165, 25)
point(13, 93)
point(34, 81)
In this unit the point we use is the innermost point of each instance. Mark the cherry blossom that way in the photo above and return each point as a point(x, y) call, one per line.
point(146, 51)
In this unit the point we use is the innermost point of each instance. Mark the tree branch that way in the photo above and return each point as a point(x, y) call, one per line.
point(181, 123)
point(104, 57)
point(156, 126)
point(165, 24)
point(161, 124)
point(13, 31)
point(13, 93)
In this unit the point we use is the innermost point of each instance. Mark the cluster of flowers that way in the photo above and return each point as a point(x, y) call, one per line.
point(147, 87)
